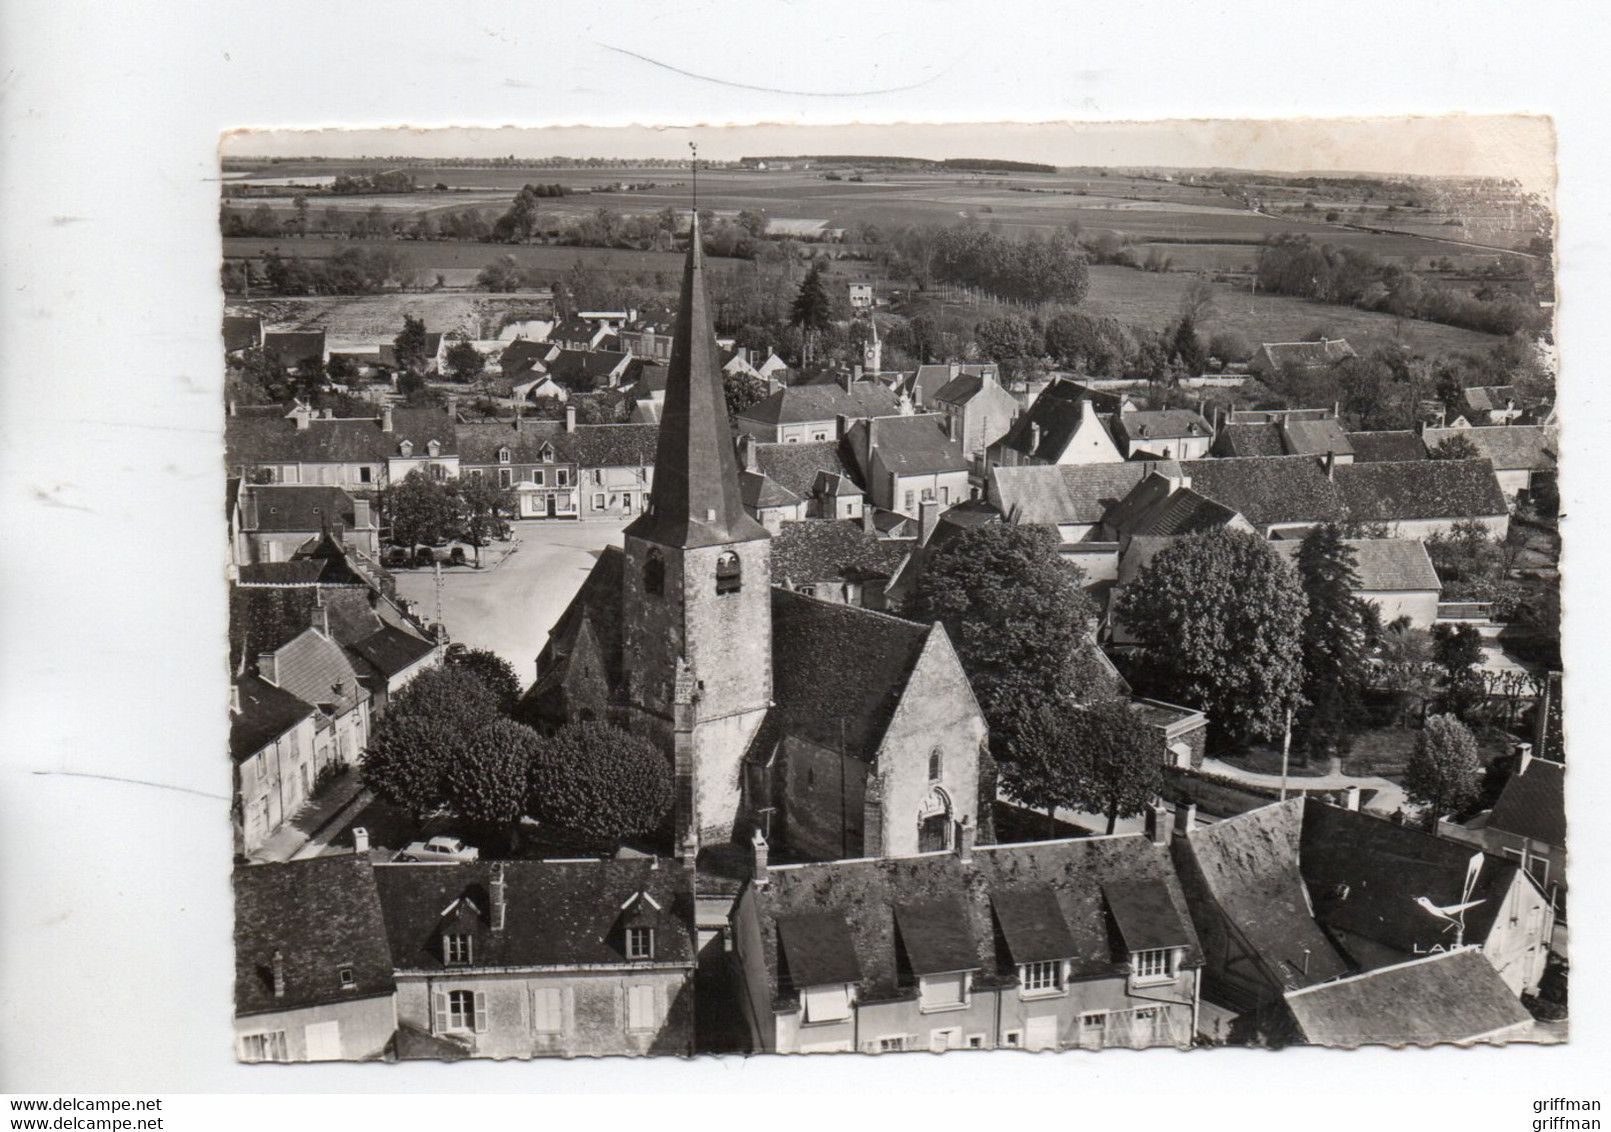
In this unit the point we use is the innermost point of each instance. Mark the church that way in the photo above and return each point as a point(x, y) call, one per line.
point(833, 730)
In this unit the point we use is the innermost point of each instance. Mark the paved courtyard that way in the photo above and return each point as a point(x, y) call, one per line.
point(510, 607)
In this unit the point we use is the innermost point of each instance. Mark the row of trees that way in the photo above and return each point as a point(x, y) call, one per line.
point(448, 745)
point(424, 511)
point(1034, 269)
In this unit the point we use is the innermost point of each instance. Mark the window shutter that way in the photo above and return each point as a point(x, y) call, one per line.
point(440, 1013)
point(480, 1012)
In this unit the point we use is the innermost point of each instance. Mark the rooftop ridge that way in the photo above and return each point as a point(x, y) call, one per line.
point(1433, 957)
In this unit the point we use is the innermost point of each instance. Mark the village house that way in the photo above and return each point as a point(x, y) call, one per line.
point(908, 461)
point(1053, 945)
point(1274, 493)
point(1395, 575)
point(314, 668)
point(923, 384)
point(532, 458)
point(1489, 405)
point(977, 409)
point(1421, 498)
point(647, 341)
point(799, 414)
point(1284, 432)
point(1388, 446)
point(767, 502)
point(1519, 453)
point(1062, 426)
point(271, 522)
point(616, 466)
point(271, 747)
point(1527, 823)
point(820, 472)
point(295, 348)
point(1276, 357)
point(1166, 434)
point(313, 975)
point(849, 731)
point(357, 453)
point(242, 332)
point(579, 334)
point(584, 371)
point(1074, 498)
point(543, 958)
point(841, 560)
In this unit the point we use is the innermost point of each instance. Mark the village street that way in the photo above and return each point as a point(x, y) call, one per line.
point(509, 607)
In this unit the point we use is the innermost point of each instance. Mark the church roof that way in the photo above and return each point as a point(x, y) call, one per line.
point(696, 500)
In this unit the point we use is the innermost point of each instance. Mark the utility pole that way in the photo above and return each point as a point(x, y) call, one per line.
point(1286, 748)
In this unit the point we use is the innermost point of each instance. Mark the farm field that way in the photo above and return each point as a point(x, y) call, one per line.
point(360, 321)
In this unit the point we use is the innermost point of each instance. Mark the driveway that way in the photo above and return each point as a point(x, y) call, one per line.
point(510, 607)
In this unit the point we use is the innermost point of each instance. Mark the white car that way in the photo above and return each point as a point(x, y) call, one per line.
point(444, 850)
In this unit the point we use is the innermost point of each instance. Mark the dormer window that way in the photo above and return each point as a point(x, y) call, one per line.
point(503, 455)
point(640, 943)
point(456, 949)
point(729, 574)
point(548, 454)
point(654, 574)
point(406, 448)
point(348, 980)
point(1043, 978)
point(1156, 965)
point(434, 448)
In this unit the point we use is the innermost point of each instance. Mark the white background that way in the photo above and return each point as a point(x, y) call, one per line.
point(115, 965)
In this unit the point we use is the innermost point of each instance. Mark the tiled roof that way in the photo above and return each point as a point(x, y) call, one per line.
point(817, 950)
point(297, 572)
point(1247, 865)
point(1270, 489)
point(264, 617)
point(1144, 911)
point(597, 604)
point(912, 446)
point(838, 672)
point(293, 347)
point(936, 903)
point(480, 443)
point(586, 369)
point(759, 491)
point(1533, 804)
point(1305, 354)
point(615, 445)
point(1160, 424)
point(796, 466)
point(1509, 447)
point(391, 650)
point(523, 354)
point(257, 440)
point(266, 713)
point(1365, 874)
point(1485, 398)
point(824, 549)
point(1058, 414)
point(1249, 440)
point(1387, 446)
point(1156, 508)
point(1315, 438)
point(1451, 997)
point(1076, 493)
point(295, 507)
point(1419, 489)
point(798, 404)
point(1381, 564)
point(314, 668)
point(241, 332)
point(1032, 923)
point(569, 914)
point(321, 915)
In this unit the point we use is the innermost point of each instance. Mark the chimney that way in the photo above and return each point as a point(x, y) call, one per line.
point(867, 519)
point(570, 417)
point(928, 513)
point(1185, 819)
point(1158, 824)
point(267, 668)
point(1331, 465)
point(1351, 799)
point(386, 419)
point(1420, 428)
point(848, 379)
point(452, 400)
point(360, 841)
point(759, 853)
point(1034, 437)
point(231, 405)
point(966, 835)
point(302, 415)
point(234, 699)
point(500, 900)
point(746, 453)
point(277, 962)
point(321, 613)
point(361, 519)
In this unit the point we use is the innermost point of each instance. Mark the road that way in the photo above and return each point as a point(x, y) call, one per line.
point(509, 608)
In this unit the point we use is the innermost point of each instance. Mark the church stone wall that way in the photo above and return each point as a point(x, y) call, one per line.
point(823, 806)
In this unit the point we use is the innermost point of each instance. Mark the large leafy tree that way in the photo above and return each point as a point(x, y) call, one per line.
point(599, 781)
point(1457, 650)
point(482, 505)
point(465, 363)
point(1099, 758)
point(492, 670)
point(1443, 773)
point(411, 749)
point(409, 345)
point(1219, 618)
point(488, 782)
point(811, 311)
point(742, 390)
point(422, 510)
point(1019, 619)
point(1336, 631)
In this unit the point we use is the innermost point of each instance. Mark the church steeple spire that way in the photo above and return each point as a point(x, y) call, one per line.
point(696, 499)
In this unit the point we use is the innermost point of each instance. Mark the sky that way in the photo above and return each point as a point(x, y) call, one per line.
point(1521, 147)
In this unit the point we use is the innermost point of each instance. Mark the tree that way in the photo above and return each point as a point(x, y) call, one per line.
point(520, 222)
point(1018, 618)
point(1186, 349)
point(1443, 773)
point(811, 310)
point(1335, 666)
point(1219, 618)
point(742, 390)
point(422, 510)
point(1008, 337)
point(1457, 650)
point(482, 505)
point(409, 346)
point(464, 362)
point(502, 274)
point(489, 780)
point(1100, 758)
point(600, 781)
point(492, 670)
point(1455, 447)
point(406, 760)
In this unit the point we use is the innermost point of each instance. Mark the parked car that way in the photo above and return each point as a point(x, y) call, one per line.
point(445, 850)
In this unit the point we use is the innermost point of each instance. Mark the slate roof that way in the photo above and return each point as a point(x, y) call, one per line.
point(1486, 398)
point(1076, 493)
point(1315, 438)
point(1160, 424)
point(1451, 997)
point(1387, 446)
point(817, 950)
point(586, 369)
point(1057, 411)
point(558, 913)
point(479, 443)
point(964, 387)
point(928, 381)
point(390, 650)
point(1270, 489)
point(1031, 921)
point(947, 910)
point(313, 667)
point(523, 354)
point(1364, 875)
point(911, 446)
point(1304, 354)
point(293, 347)
point(796, 466)
point(1509, 447)
point(1249, 440)
point(1153, 509)
point(825, 549)
point(599, 600)
point(241, 332)
point(266, 713)
point(1419, 489)
point(264, 617)
point(838, 673)
point(256, 440)
point(297, 572)
point(618, 446)
point(799, 404)
point(759, 492)
point(1533, 804)
point(294, 507)
point(1382, 564)
point(321, 915)
point(1247, 865)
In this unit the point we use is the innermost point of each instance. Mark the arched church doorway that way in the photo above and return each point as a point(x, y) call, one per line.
point(934, 822)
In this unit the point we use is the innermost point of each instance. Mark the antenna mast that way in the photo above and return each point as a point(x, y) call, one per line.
point(693, 148)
